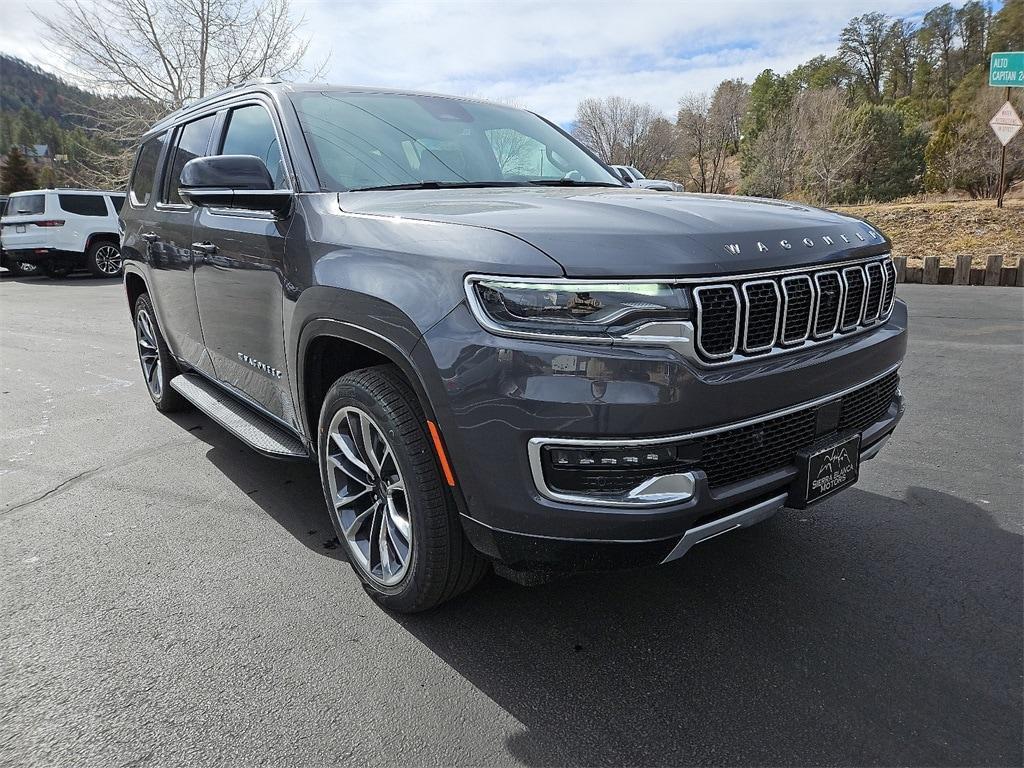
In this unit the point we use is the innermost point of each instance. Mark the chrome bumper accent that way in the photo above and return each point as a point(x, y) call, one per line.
point(873, 450)
point(742, 519)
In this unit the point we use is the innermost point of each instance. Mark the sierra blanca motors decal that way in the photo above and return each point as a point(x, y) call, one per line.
point(835, 470)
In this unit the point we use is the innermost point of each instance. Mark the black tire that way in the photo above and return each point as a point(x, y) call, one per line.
point(165, 398)
point(104, 259)
point(441, 562)
point(57, 269)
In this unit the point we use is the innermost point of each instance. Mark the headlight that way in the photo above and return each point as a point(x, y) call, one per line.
point(584, 308)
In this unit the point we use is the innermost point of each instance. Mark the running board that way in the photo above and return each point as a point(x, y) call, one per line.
point(252, 428)
point(742, 519)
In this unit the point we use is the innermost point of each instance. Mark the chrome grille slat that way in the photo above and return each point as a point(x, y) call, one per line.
point(798, 296)
point(874, 292)
point(747, 316)
point(888, 298)
point(829, 303)
point(854, 288)
point(761, 307)
point(714, 304)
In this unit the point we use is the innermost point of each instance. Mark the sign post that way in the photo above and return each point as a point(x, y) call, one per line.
point(1006, 70)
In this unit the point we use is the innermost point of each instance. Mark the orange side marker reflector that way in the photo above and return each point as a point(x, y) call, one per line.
point(445, 467)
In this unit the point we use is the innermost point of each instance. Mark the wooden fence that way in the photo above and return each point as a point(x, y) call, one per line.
point(993, 273)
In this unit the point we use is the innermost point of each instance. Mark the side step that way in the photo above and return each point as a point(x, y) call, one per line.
point(250, 427)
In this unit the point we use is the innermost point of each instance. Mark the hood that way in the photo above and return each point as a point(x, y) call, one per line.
point(601, 232)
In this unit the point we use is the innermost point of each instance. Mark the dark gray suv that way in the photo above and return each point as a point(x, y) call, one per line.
point(498, 354)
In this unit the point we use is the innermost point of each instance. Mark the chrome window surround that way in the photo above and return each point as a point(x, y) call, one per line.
point(810, 309)
point(537, 444)
point(746, 317)
point(681, 336)
point(736, 322)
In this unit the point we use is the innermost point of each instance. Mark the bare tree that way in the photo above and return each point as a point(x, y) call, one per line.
point(513, 151)
point(709, 131)
point(625, 132)
point(775, 150)
point(902, 57)
point(152, 56)
point(826, 139)
point(938, 33)
point(863, 45)
point(172, 51)
point(729, 106)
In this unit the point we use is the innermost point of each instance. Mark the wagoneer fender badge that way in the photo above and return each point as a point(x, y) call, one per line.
point(260, 366)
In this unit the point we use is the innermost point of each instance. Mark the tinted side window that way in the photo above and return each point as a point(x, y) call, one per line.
point(83, 205)
point(193, 142)
point(26, 205)
point(118, 202)
point(145, 169)
point(251, 132)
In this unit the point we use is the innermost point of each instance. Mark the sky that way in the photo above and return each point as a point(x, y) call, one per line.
point(545, 55)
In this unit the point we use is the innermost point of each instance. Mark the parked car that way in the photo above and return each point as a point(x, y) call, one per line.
point(634, 178)
point(495, 352)
point(58, 230)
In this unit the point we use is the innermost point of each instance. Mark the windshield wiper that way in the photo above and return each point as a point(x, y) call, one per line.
point(442, 185)
point(571, 183)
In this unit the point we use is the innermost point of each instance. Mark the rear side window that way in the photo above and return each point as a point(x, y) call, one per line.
point(118, 202)
point(193, 142)
point(145, 169)
point(83, 205)
point(26, 205)
point(251, 132)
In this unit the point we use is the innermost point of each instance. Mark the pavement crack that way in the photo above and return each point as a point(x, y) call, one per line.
point(59, 487)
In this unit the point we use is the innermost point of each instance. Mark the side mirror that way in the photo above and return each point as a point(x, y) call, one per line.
point(232, 181)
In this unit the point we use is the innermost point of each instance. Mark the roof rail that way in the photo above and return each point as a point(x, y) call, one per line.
point(228, 89)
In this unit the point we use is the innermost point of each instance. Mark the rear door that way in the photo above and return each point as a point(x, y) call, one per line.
point(240, 278)
point(26, 224)
point(158, 231)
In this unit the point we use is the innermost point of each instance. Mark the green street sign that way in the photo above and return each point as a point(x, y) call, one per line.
point(1007, 70)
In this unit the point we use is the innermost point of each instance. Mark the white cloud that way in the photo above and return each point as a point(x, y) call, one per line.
point(546, 54)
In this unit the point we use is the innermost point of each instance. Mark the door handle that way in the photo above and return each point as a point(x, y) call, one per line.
point(207, 247)
point(150, 237)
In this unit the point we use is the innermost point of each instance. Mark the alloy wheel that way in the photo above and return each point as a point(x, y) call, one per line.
point(368, 496)
point(108, 260)
point(149, 353)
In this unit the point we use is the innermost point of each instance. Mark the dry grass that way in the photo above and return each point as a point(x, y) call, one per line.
point(948, 229)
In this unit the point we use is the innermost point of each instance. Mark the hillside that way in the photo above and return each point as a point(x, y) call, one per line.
point(948, 229)
point(44, 94)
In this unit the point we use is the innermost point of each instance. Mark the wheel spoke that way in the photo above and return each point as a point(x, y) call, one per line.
point(346, 501)
point(357, 522)
point(400, 523)
point(368, 430)
point(348, 448)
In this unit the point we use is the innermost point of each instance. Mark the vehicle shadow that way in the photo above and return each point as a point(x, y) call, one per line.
point(866, 631)
point(288, 491)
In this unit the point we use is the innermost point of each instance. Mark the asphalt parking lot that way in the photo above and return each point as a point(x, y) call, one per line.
point(168, 597)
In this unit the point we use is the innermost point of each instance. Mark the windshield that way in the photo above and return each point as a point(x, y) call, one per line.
point(373, 140)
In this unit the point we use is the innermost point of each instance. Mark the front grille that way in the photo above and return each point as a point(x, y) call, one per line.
point(719, 305)
point(740, 453)
point(750, 316)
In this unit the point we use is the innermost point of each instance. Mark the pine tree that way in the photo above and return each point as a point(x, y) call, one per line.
point(18, 175)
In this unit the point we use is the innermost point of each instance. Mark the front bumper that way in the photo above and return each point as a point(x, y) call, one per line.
point(496, 395)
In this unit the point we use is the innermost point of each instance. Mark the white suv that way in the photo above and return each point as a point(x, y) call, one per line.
point(57, 230)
